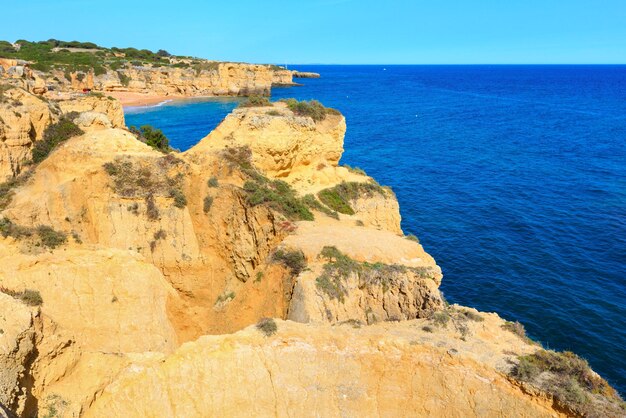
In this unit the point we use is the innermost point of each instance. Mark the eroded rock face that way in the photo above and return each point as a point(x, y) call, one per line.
point(25, 116)
point(392, 277)
point(305, 370)
point(283, 146)
point(117, 307)
point(107, 106)
point(23, 119)
point(212, 79)
point(17, 351)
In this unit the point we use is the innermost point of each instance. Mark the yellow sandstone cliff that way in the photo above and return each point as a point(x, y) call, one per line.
point(148, 305)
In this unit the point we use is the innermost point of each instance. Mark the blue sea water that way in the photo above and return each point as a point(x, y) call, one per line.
point(513, 178)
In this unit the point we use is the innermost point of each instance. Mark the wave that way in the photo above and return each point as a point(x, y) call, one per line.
point(143, 108)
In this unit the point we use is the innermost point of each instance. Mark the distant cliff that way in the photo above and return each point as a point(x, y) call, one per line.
point(57, 66)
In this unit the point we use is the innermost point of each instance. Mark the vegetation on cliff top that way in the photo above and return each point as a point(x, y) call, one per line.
point(294, 260)
point(54, 135)
point(152, 137)
point(42, 236)
point(338, 198)
point(275, 194)
point(570, 380)
point(147, 179)
point(255, 101)
point(267, 326)
point(339, 267)
point(7, 188)
point(75, 56)
point(312, 109)
point(27, 296)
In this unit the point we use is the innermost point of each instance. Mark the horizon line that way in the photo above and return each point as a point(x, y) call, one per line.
point(456, 64)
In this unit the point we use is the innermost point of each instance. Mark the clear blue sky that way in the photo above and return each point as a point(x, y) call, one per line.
point(338, 31)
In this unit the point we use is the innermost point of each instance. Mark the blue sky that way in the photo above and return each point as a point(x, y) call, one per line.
point(339, 31)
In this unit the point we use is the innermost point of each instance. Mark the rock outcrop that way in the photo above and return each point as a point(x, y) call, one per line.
point(107, 106)
point(139, 262)
point(25, 116)
point(305, 74)
point(17, 346)
point(23, 119)
point(309, 370)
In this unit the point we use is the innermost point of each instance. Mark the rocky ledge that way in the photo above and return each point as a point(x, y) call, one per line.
point(304, 74)
point(249, 275)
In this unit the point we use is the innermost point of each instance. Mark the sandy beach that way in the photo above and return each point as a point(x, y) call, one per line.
point(140, 99)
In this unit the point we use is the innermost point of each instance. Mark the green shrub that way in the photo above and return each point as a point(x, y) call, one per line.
point(338, 197)
point(147, 179)
point(569, 379)
point(441, 318)
point(180, 201)
point(273, 113)
point(516, 328)
point(279, 196)
point(99, 70)
point(9, 229)
point(200, 66)
point(312, 109)
point(124, 79)
point(355, 170)
point(333, 200)
point(7, 188)
point(255, 101)
point(238, 156)
point(152, 212)
point(473, 316)
point(311, 202)
point(412, 237)
point(339, 267)
point(49, 237)
point(212, 182)
point(267, 326)
point(77, 238)
point(294, 260)
point(259, 277)
point(427, 328)
point(225, 297)
point(208, 202)
point(28, 296)
point(152, 137)
point(158, 235)
point(331, 286)
point(54, 135)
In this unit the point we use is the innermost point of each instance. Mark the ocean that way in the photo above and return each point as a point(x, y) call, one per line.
point(513, 178)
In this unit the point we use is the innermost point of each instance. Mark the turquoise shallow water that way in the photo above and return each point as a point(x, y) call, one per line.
point(513, 177)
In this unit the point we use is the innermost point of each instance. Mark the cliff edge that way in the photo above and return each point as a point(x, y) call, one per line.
point(251, 274)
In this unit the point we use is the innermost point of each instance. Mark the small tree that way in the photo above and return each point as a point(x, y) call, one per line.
point(153, 137)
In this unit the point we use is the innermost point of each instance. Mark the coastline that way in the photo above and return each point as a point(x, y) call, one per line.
point(131, 99)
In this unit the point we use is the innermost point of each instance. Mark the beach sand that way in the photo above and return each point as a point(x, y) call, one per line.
point(140, 99)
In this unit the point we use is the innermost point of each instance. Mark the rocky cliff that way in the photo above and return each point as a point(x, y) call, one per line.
point(214, 79)
point(205, 79)
point(138, 283)
point(24, 118)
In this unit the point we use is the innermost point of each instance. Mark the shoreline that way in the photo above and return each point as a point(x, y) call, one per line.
point(141, 100)
point(129, 99)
